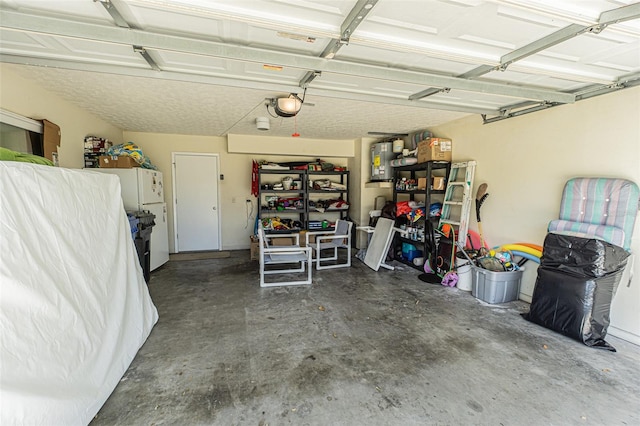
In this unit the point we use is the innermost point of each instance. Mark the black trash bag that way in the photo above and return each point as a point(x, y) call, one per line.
point(578, 256)
point(575, 306)
point(577, 280)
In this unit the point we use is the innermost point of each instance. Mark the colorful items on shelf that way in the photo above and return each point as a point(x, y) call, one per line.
point(324, 205)
point(279, 224)
point(94, 147)
point(405, 184)
point(276, 203)
point(327, 185)
point(320, 224)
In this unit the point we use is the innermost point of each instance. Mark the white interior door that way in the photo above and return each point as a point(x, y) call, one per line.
point(195, 198)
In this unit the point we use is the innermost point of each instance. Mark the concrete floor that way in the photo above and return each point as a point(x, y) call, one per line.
point(358, 347)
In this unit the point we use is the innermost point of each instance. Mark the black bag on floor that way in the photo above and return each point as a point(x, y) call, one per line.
point(577, 307)
point(577, 279)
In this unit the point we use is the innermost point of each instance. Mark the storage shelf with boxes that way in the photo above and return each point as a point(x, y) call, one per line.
point(94, 147)
point(414, 206)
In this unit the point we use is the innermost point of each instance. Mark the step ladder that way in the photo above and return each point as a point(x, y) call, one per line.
point(456, 207)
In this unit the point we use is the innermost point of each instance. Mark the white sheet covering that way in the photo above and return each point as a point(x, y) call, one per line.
point(74, 307)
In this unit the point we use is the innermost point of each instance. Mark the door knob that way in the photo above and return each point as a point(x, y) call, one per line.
point(214, 207)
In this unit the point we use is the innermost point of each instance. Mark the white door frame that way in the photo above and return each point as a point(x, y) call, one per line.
point(174, 201)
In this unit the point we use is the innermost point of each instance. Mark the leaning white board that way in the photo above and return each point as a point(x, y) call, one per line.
point(379, 244)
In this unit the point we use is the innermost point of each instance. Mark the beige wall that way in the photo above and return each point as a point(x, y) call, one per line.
point(30, 100)
point(270, 145)
point(234, 189)
point(526, 161)
point(364, 195)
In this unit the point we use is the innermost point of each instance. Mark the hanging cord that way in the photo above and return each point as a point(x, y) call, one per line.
point(295, 127)
point(249, 213)
point(242, 118)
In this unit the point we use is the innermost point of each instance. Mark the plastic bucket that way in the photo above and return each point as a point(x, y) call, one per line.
point(465, 275)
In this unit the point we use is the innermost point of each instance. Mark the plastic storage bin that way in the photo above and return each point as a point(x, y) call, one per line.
point(410, 252)
point(496, 287)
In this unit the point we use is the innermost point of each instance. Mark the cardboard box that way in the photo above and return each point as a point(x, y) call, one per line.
point(434, 149)
point(117, 162)
point(51, 140)
point(282, 241)
point(312, 240)
point(255, 247)
point(303, 238)
point(422, 183)
point(438, 183)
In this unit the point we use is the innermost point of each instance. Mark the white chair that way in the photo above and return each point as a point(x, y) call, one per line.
point(340, 237)
point(281, 255)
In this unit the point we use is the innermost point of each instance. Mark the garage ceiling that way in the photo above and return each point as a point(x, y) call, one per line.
point(397, 66)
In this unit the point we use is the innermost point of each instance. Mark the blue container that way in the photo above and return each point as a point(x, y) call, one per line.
point(410, 252)
point(406, 248)
point(413, 254)
point(133, 224)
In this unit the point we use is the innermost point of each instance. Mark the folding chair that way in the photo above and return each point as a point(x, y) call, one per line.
point(271, 256)
point(339, 238)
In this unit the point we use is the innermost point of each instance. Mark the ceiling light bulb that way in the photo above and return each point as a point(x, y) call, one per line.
point(289, 106)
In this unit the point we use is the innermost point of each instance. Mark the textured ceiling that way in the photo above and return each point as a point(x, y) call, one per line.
point(206, 66)
point(161, 106)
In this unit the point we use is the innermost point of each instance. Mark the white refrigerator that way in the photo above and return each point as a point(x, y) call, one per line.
point(142, 189)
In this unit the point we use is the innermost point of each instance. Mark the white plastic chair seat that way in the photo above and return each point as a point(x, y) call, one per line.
point(339, 238)
point(272, 256)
